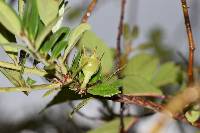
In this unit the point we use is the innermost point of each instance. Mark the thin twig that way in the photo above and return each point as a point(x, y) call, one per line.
point(118, 63)
point(190, 41)
point(89, 11)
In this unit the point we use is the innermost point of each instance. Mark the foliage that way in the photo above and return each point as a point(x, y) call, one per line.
point(91, 74)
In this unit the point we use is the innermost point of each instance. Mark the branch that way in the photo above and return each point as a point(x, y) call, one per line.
point(191, 44)
point(34, 87)
point(89, 11)
point(26, 69)
point(118, 63)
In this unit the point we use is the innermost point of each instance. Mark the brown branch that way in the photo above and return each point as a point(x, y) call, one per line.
point(191, 44)
point(118, 55)
point(89, 11)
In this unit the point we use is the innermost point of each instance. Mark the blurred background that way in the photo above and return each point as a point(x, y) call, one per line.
point(20, 113)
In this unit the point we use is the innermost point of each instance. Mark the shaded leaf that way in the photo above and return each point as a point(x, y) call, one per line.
point(9, 18)
point(139, 86)
point(80, 105)
point(167, 74)
point(113, 126)
point(62, 33)
point(58, 48)
point(64, 95)
point(44, 32)
point(142, 65)
point(75, 62)
point(48, 10)
point(105, 89)
point(126, 31)
point(90, 41)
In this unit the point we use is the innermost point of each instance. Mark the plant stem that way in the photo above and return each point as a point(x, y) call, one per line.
point(26, 69)
point(118, 63)
point(191, 44)
point(34, 87)
point(89, 11)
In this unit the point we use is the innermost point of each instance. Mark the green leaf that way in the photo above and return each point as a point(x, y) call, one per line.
point(44, 32)
point(105, 89)
point(48, 10)
point(11, 51)
point(9, 19)
point(167, 74)
point(14, 77)
point(135, 32)
point(192, 116)
point(62, 33)
point(30, 81)
point(58, 48)
point(113, 126)
point(74, 37)
point(31, 19)
point(75, 62)
point(64, 95)
point(139, 86)
point(80, 105)
point(142, 65)
point(90, 41)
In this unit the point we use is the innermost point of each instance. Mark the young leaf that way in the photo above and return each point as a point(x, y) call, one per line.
point(74, 37)
point(31, 19)
point(30, 81)
point(62, 33)
point(139, 86)
point(58, 48)
point(9, 18)
point(126, 32)
point(167, 74)
point(80, 105)
point(113, 126)
point(90, 41)
point(45, 31)
point(75, 62)
point(105, 89)
point(48, 10)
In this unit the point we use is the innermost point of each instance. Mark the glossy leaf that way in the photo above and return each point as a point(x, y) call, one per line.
point(48, 10)
point(113, 126)
point(105, 89)
point(139, 86)
point(90, 41)
point(62, 33)
point(9, 18)
point(58, 48)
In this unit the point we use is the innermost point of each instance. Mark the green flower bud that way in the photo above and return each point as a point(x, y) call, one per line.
point(90, 66)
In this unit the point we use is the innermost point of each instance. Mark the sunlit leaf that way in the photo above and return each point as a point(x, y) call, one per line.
point(48, 10)
point(90, 41)
point(9, 18)
point(30, 81)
